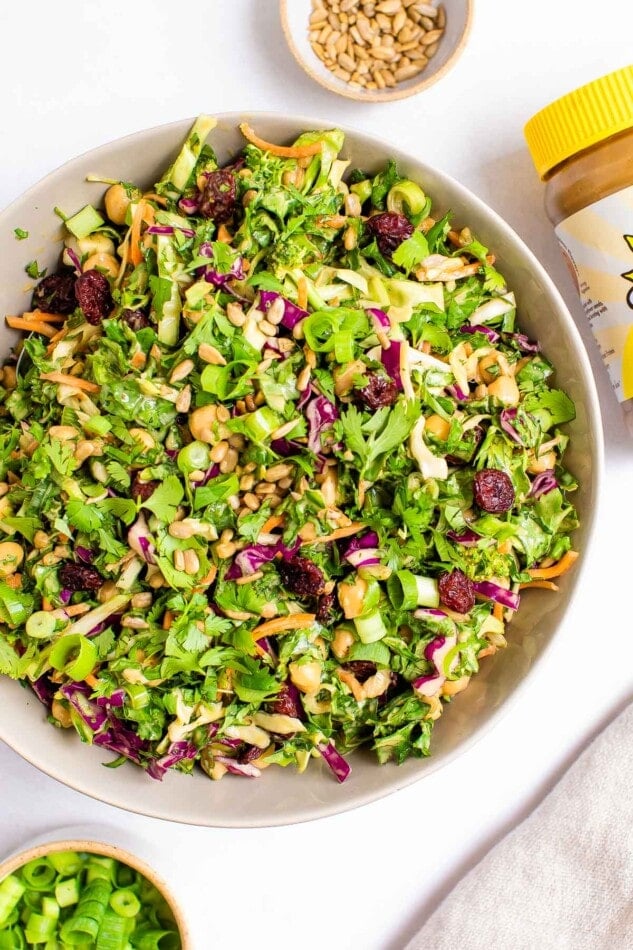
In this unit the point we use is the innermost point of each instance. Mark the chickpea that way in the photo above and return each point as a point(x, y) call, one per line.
point(9, 377)
point(117, 201)
point(93, 244)
point(203, 425)
point(11, 556)
point(61, 714)
point(506, 390)
point(542, 463)
point(306, 676)
point(342, 642)
point(438, 426)
point(143, 438)
point(351, 597)
point(103, 262)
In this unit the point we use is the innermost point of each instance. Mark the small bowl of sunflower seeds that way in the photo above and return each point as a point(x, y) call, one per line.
point(376, 50)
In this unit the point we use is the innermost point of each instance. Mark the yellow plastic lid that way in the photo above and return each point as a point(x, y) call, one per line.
point(580, 119)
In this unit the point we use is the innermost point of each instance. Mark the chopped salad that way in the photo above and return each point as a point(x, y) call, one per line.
point(277, 465)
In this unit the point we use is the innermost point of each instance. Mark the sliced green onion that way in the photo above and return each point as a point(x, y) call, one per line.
point(39, 928)
point(403, 590)
point(261, 423)
point(156, 940)
point(74, 655)
point(12, 940)
point(125, 903)
point(39, 874)
point(65, 862)
point(67, 892)
point(370, 627)
point(362, 189)
point(406, 194)
point(138, 695)
point(79, 930)
point(11, 890)
point(373, 652)
point(113, 932)
point(407, 591)
point(84, 222)
point(41, 625)
point(194, 457)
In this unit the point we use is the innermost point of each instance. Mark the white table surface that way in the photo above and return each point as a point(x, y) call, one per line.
point(76, 74)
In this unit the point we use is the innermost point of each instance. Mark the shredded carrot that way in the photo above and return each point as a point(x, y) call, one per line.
point(283, 151)
point(302, 293)
point(353, 528)
point(561, 567)
point(31, 326)
point(544, 585)
point(151, 196)
point(275, 521)
point(55, 339)
point(224, 235)
point(46, 604)
point(91, 680)
point(136, 255)
point(44, 317)
point(279, 624)
point(350, 680)
point(65, 380)
point(497, 611)
point(168, 619)
point(505, 546)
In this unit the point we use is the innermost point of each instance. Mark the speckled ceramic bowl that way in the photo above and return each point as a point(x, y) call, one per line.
point(295, 17)
point(281, 796)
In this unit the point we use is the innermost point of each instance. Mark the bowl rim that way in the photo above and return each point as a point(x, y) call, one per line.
point(429, 765)
point(371, 95)
point(92, 846)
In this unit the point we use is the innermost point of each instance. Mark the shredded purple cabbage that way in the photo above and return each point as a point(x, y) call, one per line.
point(507, 598)
point(492, 335)
point(292, 313)
point(84, 554)
point(44, 690)
point(321, 414)
point(176, 752)
point(524, 343)
point(188, 205)
point(391, 361)
point(335, 760)
point(467, 538)
point(457, 393)
point(168, 229)
point(246, 769)
point(506, 419)
point(543, 483)
point(380, 318)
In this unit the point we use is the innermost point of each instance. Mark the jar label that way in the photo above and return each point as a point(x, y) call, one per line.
point(598, 244)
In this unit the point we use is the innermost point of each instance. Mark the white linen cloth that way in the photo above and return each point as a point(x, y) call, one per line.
point(561, 880)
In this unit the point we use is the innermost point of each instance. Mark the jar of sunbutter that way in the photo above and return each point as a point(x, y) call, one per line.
point(582, 146)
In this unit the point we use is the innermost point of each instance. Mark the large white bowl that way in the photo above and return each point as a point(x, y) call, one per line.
point(281, 796)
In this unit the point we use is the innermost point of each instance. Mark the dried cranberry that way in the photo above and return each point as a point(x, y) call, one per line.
point(94, 296)
point(494, 490)
point(362, 669)
point(301, 576)
point(143, 490)
point(56, 293)
point(249, 753)
point(457, 591)
point(135, 319)
point(287, 702)
point(390, 230)
point(379, 391)
point(325, 608)
point(219, 195)
point(79, 577)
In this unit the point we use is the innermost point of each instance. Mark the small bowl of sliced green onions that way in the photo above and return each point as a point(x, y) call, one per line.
point(86, 894)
